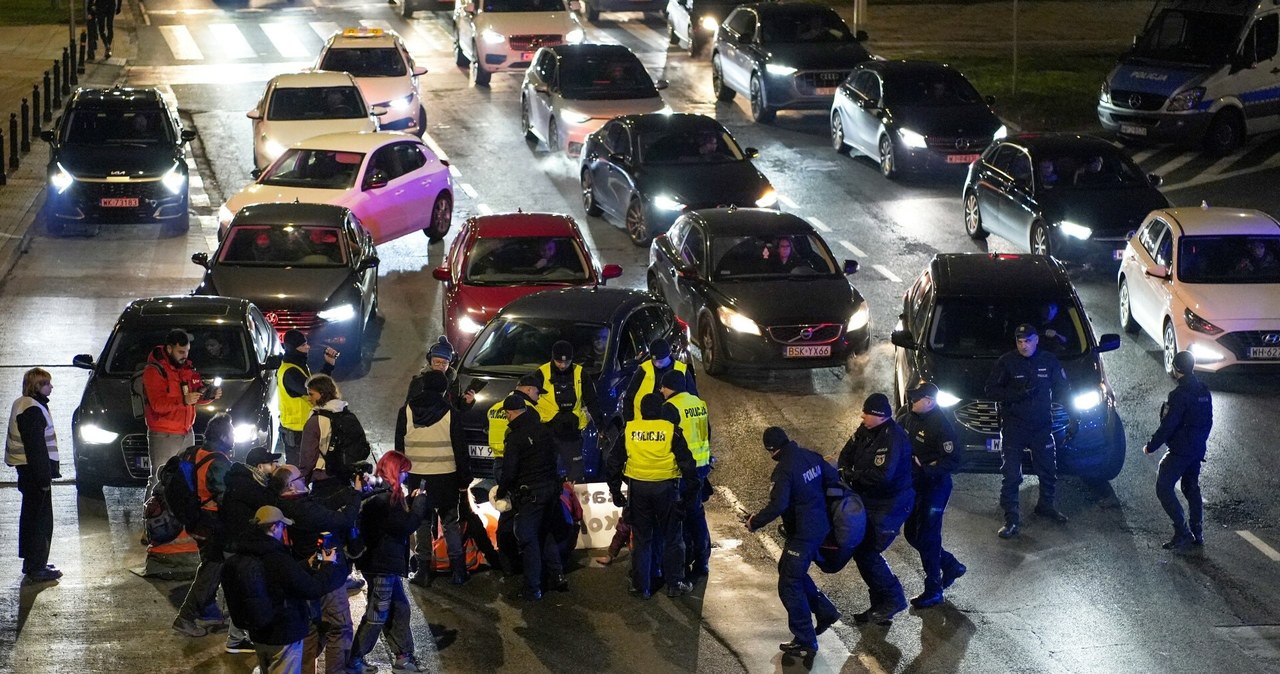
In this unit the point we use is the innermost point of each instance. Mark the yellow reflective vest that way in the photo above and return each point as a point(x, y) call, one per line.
point(694, 424)
point(547, 405)
point(649, 455)
point(498, 428)
point(294, 412)
point(649, 383)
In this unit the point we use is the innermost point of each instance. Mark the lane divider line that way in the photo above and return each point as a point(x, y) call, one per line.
point(819, 225)
point(1256, 542)
point(852, 248)
point(471, 191)
point(786, 201)
point(484, 209)
point(884, 271)
point(734, 503)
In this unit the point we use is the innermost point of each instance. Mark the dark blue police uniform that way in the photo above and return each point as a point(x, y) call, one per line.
point(1185, 420)
point(936, 455)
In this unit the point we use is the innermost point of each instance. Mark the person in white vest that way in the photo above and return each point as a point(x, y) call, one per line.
point(429, 433)
point(32, 448)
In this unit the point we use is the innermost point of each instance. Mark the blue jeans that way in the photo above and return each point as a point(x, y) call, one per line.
point(799, 595)
point(923, 529)
point(1175, 467)
point(386, 613)
point(884, 519)
point(1044, 461)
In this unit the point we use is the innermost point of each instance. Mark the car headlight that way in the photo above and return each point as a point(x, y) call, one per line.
point(860, 317)
point(1205, 354)
point(97, 435)
point(779, 69)
point(768, 199)
point(574, 117)
point(737, 322)
point(401, 104)
point(911, 138)
point(575, 36)
point(1105, 94)
point(469, 325)
point(174, 180)
point(343, 312)
point(61, 179)
point(1186, 100)
point(245, 433)
point(945, 399)
point(491, 36)
point(1075, 231)
point(1199, 324)
point(709, 23)
point(272, 149)
point(1002, 132)
point(665, 203)
point(1086, 401)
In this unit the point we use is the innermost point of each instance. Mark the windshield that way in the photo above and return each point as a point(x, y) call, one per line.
point(527, 260)
point(1229, 259)
point(757, 257)
point(319, 169)
point(300, 103)
point(605, 77)
point(1091, 168)
point(523, 6)
point(808, 25)
point(702, 144)
point(935, 88)
point(1202, 38)
point(366, 61)
point(519, 345)
point(287, 246)
point(117, 127)
point(983, 328)
point(216, 351)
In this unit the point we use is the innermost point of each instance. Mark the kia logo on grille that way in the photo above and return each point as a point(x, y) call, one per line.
point(271, 317)
point(1271, 338)
point(1135, 101)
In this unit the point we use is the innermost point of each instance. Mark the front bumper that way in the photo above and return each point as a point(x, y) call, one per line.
point(831, 346)
point(116, 202)
point(977, 426)
point(514, 54)
point(803, 90)
point(574, 134)
point(628, 5)
point(1157, 126)
point(1239, 350)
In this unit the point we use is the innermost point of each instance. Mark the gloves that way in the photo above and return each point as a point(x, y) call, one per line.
point(619, 499)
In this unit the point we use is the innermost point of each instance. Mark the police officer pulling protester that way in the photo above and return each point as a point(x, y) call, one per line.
point(934, 457)
point(210, 478)
point(571, 396)
point(291, 391)
point(31, 446)
point(1185, 420)
point(876, 464)
point(646, 377)
point(1025, 382)
point(662, 480)
point(689, 412)
point(247, 490)
point(798, 496)
point(529, 479)
point(428, 432)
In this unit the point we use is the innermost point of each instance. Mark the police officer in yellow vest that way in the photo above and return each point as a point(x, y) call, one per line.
point(291, 392)
point(689, 412)
point(649, 373)
point(570, 397)
point(529, 389)
point(661, 478)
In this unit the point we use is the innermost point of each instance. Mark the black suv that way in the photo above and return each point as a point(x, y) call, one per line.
point(959, 317)
point(233, 346)
point(116, 156)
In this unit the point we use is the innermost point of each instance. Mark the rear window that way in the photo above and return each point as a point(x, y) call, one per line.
point(1229, 259)
point(302, 103)
point(216, 351)
point(288, 246)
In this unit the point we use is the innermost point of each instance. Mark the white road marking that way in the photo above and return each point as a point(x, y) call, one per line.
point(644, 34)
point(146, 16)
point(199, 200)
point(439, 152)
point(196, 182)
point(181, 43)
point(284, 39)
point(231, 42)
point(470, 191)
point(786, 201)
point(884, 271)
point(734, 503)
point(453, 171)
point(1174, 164)
point(819, 225)
point(851, 248)
point(211, 73)
point(484, 209)
point(324, 28)
point(1256, 542)
point(1218, 171)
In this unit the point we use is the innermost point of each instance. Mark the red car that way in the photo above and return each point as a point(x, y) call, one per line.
point(498, 258)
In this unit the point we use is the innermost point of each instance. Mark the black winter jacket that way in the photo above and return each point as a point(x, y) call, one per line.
point(311, 517)
point(290, 584)
point(246, 492)
point(876, 462)
point(933, 443)
point(530, 455)
point(386, 533)
point(1185, 419)
point(1025, 387)
point(798, 495)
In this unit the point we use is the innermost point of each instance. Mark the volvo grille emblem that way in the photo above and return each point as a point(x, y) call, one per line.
point(807, 334)
point(1135, 101)
point(1271, 338)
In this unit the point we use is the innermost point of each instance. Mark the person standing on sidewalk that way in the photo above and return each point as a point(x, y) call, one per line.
point(172, 388)
point(291, 392)
point(1185, 420)
point(104, 21)
point(31, 447)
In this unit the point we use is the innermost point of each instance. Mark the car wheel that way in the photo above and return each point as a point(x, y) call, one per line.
point(441, 218)
point(478, 74)
point(1040, 243)
point(888, 162)
point(589, 195)
point(723, 92)
point(651, 284)
point(526, 127)
point(709, 342)
point(178, 227)
point(1170, 347)
point(837, 134)
point(1225, 133)
point(459, 57)
point(973, 217)
point(760, 110)
point(406, 9)
point(422, 120)
point(1126, 310)
point(554, 143)
point(637, 228)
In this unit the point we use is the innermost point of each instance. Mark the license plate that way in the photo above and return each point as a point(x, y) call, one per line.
point(993, 445)
point(118, 202)
point(1264, 352)
point(808, 351)
point(480, 451)
point(962, 158)
point(1133, 129)
point(1117, 254)
point(526, 56)
point(825, 91)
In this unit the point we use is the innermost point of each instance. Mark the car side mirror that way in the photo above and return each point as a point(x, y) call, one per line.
point(201, 258)
point(990, 100)
point(850, 266)
point(1108, 342)
point(687, 271)
point(253, 114)
point(751, 152)
point(369, 263)
point(378, 111)
point(1155, 179)
point(83, 361)
point(256, 173)
point(47, 135)
point(611, 271)
point(376, 180)
point(541, 89)
point(661, 84)
point(419, 71)
point(903, 339)
point(273, 362)
point(188, 135)
point(860, 36)
point(442, 274)
point(1157, 271)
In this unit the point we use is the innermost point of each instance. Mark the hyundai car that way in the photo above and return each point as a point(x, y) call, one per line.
point(297, 106)
point(385, 72)
point(497, 36)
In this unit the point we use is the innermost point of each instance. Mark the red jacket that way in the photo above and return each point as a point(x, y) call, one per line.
point(166, 411)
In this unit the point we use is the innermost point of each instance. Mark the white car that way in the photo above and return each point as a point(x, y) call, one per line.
point(502, 35)
point(297, 106)
point(1205, 280)
point(392, 182)
point(572, 90)
point(384, 71)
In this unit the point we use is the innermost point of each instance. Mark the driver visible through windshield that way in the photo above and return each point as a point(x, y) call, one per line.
point(526, 260)
point(288, 246)
point(322, 169)
point(757, 257)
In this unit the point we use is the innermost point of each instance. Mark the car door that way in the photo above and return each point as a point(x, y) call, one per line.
point(739, 29)
point(260, 121)
point(1020, 207)
point(992, 186)
point(1149, 295)
point(917, 306)
point(464, 30)
point(382, 192)
point(864, 114)
point(1258, 77)
point(424, 177)
point(666, 258)
point(689, 281)
point(540, 93)
point(678, 14)
point(618, 167)
point(360, 245)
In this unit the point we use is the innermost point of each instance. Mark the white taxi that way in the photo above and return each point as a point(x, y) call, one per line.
point(384, 71)
point(392, 181)
point(493, 36)
point(1205, 280)
point(297, 106)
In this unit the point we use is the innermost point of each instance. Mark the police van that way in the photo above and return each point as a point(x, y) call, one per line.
point(1201, 71)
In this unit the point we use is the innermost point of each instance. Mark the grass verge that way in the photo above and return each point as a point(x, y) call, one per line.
point(36, 12)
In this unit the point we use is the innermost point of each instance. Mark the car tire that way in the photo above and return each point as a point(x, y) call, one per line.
point(1126, 309)
point(406, 9)
point(888, 158)
point(760, 110)
point(589, 195)
point(837, 134)
point(441, 218)
point(709, 343)
point(178, 227)
point(1225, 133)
point(458, 57)
point(1039, 241)
point(1170, 346)
point(422, 121)
point(478, 74)
point(722, 91)
point(636, 226)
point(526, 127)
point(973, 216)
point(554, 144)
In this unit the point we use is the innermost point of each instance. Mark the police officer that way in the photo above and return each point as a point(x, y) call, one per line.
point(571, 397)
point(689, 412)
point(529, 478)
point(646, 377)
point(291, 392)
point(528, 389)
point(1025, 382)
point(934, 456)
point(798, 496)
point(1185, 420)
point(876, 464)
point(654, 459)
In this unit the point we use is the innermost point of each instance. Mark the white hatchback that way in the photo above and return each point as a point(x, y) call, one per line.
point(384, 71)
point(392, 182)
point(1205, 280)
point(297, 106)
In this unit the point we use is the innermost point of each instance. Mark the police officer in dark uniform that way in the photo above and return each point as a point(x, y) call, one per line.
point(798, 496)
point(876, 464)
point(529, 478)
point(934, 457)
point(1025, 382)
point(1185, 420)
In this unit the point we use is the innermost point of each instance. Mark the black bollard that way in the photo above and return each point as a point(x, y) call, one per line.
point(26, 119)
point(13, 141)
point(84, 43)
point(67, 67)
point(35, 111)
point(3, 180)
point(57, 83)
point(48, 99)
point(72, 68)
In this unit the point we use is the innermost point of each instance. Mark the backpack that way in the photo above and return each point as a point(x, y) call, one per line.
point(848, 526)
point(138, 392)
point(177, 486)
point(161, 525)
point(244, 583)
point(348, 445)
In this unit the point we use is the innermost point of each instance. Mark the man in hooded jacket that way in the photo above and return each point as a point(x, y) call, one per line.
point(246, 491)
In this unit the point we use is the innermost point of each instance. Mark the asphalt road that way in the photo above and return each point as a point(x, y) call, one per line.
point(1097, 594)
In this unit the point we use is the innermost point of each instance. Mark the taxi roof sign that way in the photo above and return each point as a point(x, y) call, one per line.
point(362, 32)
